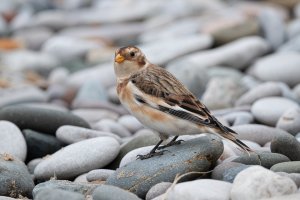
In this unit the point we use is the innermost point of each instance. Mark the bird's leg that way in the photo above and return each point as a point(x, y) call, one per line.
point(152, 152)
point(171, 143)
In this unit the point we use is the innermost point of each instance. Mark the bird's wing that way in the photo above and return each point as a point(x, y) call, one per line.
point(171, 97)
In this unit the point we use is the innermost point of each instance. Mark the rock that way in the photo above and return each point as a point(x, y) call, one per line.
point(31, 165)
point(54, 194)
point(94, 115)
point(264, 159)
point(175, 47)
point(82, 188)
point(221, 93)
point(288, 167)
point(21, 94)
point(130, 123)
point(257, 182)
point(14, 177)
point(99, 174)
point(40, 145)
point(201, 189)
point(270, 20)
point(268, 110)
point(112, 126)
point(239, 118)
point(291, 46)
point(38, 119)
point(224, 72)
point(260, 134)
point(287, 145)
point(221, 171)
point(290, 121)
point(136, 142)
point(29, 60)
point(295, 196)
point(269, 68)
point(109, 192)
point(12, 140)
point(294, 176)
point(71, 134)
point(6, 198)
point(198, 154)
point(296, 91)
point(158, 189)
point(113, 95)
point(81, 179)
point(132, 155)
point(293, 28)
point(81, 157)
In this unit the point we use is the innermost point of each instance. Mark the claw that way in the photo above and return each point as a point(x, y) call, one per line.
point(149, 155)
point(170, 144)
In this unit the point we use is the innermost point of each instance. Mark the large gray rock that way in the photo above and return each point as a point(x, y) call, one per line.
point(78, 158)
point(199, 154)
point(39, 119)
point(109, 192)
point(15, 179)
point(290, 121)
point(99, 174)
point(288, 167)
point(157, 190)
point(56, 194)
point(12, 140)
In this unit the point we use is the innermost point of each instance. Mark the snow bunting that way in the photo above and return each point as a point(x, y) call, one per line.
point(161, 102)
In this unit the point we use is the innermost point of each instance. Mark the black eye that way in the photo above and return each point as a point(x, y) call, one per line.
point(132, 54)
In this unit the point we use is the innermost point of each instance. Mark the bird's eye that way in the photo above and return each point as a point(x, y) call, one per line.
point(132, 54)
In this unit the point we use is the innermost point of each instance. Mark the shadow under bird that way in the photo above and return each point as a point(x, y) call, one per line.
point(162, 103)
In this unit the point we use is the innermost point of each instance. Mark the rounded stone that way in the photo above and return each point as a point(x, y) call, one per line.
point(290, 121)
point(78, 158)
point(158, 189)
point(12, 140)
point(54, 194)
point(112, 126)
point(294, 176)
point(200, 189)
point(130, 123)
point(39, 119)
point(99, 174)
point(220, 170)
point(288, 167)
point(94, 115)
point(109, 192)
point(31, 165)
point(269, 110)
point(257, 182)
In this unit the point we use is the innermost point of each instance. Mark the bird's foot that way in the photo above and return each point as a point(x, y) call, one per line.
point(150, 155)
point(171, 143)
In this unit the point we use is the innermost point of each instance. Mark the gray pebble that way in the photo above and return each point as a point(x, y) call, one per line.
point(290, 121)
point(288, 167)
point(109, 192)
point(158, 189)
point(57, 194)
point(99, 174)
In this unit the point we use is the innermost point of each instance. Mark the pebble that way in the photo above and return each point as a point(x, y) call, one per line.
point(38, 119)
point(257, 182)
point(12, 140)
point(269, 110)
point(224, 171)
point(294, 176)
point(108, 125)
point(200, 189)
point(296, 92)
point(295, 196)
point(53, 194)
point(265, 159)
point(139, 176)
point(31, 165)
point(260, 134)
point(157, 190)
point(40, 145)
point(15, 179)
point(6, 198)
point(130, 123)
point(290, 121)
point(291, 46)
point(99, 174)
point(269, 68)
point(78, 158)
point(288, 167)
point(81, 179)
point(109, 192)
point(239, 118)
point(71, 134)
point(293, 28)
point(94, 115)
point(287, 145)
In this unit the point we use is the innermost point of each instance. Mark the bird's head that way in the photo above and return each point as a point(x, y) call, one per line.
point(129, 60)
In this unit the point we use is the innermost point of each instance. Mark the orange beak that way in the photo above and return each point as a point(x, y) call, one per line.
point(119, 58)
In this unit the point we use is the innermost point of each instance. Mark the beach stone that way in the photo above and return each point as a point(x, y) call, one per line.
point(268, 110)
point(21, 94)
point(54, 194)
point(287, 145)
point(224, 72)
point(99, 174)
point(269, 68)
point(295, 196)
point(288, 167)
point(265, 159)
point(293, 28)
point(239, 118)
point(221, 169)
point(221, 93)
point(270, 20)
point(15, 179)
point(94, 115)
point(294, 176)
point(40, 145)
point(109, 192)
point(130, 123)
point(112, 126)
point(290, 121)
point(291, 46)
point(12, 140)
point(81, 179)
point(132, 155)
point(31, 165)
point(157, 190)
point(257, 182)
point(201, 189)
point(260, 134)
point(82, 188)
point(38, 119)
point(296, 91)
point(6, 198)
point(81, 157)
point(139, 176)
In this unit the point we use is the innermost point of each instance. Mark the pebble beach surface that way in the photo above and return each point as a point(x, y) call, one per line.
point(64, 134)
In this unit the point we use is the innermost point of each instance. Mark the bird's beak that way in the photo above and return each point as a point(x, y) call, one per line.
point(119, 58)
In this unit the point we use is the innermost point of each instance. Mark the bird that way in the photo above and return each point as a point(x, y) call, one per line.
point(162, 103)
